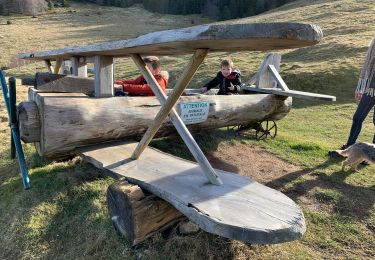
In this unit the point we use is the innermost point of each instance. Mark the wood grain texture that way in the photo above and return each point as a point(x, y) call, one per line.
point(29, 122)
point(228, 36)
point(79, 68)
point(69, 84)
point(264, 78)
point(240, 209)
point(103, 69)
point(138, 215)
point(42, 78)
point(83, 120)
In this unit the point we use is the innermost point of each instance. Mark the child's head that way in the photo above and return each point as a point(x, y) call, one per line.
point(226, 67)
point(153, 64)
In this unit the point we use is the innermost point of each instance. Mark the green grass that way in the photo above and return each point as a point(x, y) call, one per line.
point(64, 214)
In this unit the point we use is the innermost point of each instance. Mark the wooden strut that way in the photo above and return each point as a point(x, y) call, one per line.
point(48, 65)
point(167, 108)
point(57, 66)
point(278, 78)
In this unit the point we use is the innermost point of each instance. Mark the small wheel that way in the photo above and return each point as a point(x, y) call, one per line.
point(265, 129)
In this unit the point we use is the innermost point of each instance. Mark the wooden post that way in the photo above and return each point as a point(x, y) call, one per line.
point(178, 123)
point(48, 65)
point(178, 89)
point(57, 66)
point(103, 68)
point(79, 67)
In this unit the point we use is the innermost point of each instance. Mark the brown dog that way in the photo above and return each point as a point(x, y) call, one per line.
point(356, 154)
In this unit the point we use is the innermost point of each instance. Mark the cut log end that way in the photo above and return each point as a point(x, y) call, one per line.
point(29, 122)
point(137, 215)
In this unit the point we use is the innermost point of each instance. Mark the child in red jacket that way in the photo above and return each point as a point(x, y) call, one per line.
point(139, 86)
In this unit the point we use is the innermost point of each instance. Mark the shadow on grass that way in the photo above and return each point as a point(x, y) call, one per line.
point(64, 215)
point(60, 206)
point(10, 168)
point(356, 202)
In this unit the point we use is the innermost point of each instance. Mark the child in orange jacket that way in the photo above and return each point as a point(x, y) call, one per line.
point(139, 86)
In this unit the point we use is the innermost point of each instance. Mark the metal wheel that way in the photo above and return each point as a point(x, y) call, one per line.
point(265, 129)
point(239, 129)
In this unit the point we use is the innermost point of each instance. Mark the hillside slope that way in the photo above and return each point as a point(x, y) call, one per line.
point(64, 215)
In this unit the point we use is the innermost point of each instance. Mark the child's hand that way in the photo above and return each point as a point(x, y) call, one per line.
point(231, 87)
point(203, 90)
point(117, 87)
point(358, 96)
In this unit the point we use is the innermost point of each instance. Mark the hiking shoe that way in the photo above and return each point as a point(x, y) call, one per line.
point(344, 147)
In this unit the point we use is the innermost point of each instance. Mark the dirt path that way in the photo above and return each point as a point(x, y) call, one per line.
point(251, 161)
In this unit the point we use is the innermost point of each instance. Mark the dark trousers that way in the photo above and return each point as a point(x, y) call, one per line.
point(364, 107)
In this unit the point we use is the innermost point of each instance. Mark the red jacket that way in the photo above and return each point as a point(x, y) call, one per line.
point(139, 85)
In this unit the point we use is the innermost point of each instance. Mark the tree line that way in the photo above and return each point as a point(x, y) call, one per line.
point(30, 7)
point(217, 9)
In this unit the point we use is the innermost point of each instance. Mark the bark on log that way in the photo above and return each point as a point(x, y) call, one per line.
point(137, 215)
point(42, 78)
point(28, 81)
point(71, 120)
point(29, 122)
point(47, 82)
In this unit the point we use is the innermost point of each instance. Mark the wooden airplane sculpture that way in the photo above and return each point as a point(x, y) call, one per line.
point(219, 202)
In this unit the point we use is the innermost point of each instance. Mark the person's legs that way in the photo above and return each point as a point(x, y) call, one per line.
point(360, 114)
point(373, 120)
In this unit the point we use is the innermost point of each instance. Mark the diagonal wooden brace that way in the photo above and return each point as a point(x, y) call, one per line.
point(278, 78)
point(167, 108)
point(58, 64)
point(48, 65)
point(178, 89)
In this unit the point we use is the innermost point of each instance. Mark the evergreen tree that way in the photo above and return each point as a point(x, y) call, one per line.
point(228, 9)
point(225, 14)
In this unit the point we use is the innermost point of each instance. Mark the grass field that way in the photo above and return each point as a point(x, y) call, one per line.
point(64, 215)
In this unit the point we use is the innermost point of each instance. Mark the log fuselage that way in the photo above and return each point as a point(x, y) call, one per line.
point(72, 120)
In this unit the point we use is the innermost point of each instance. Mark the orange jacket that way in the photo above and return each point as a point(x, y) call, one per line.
point(139, 85)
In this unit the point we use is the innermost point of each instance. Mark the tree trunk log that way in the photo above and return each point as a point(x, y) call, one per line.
point(137, 215)
point(69, 84)
point(71, 120)
point(42, 78)
point(29, 122)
